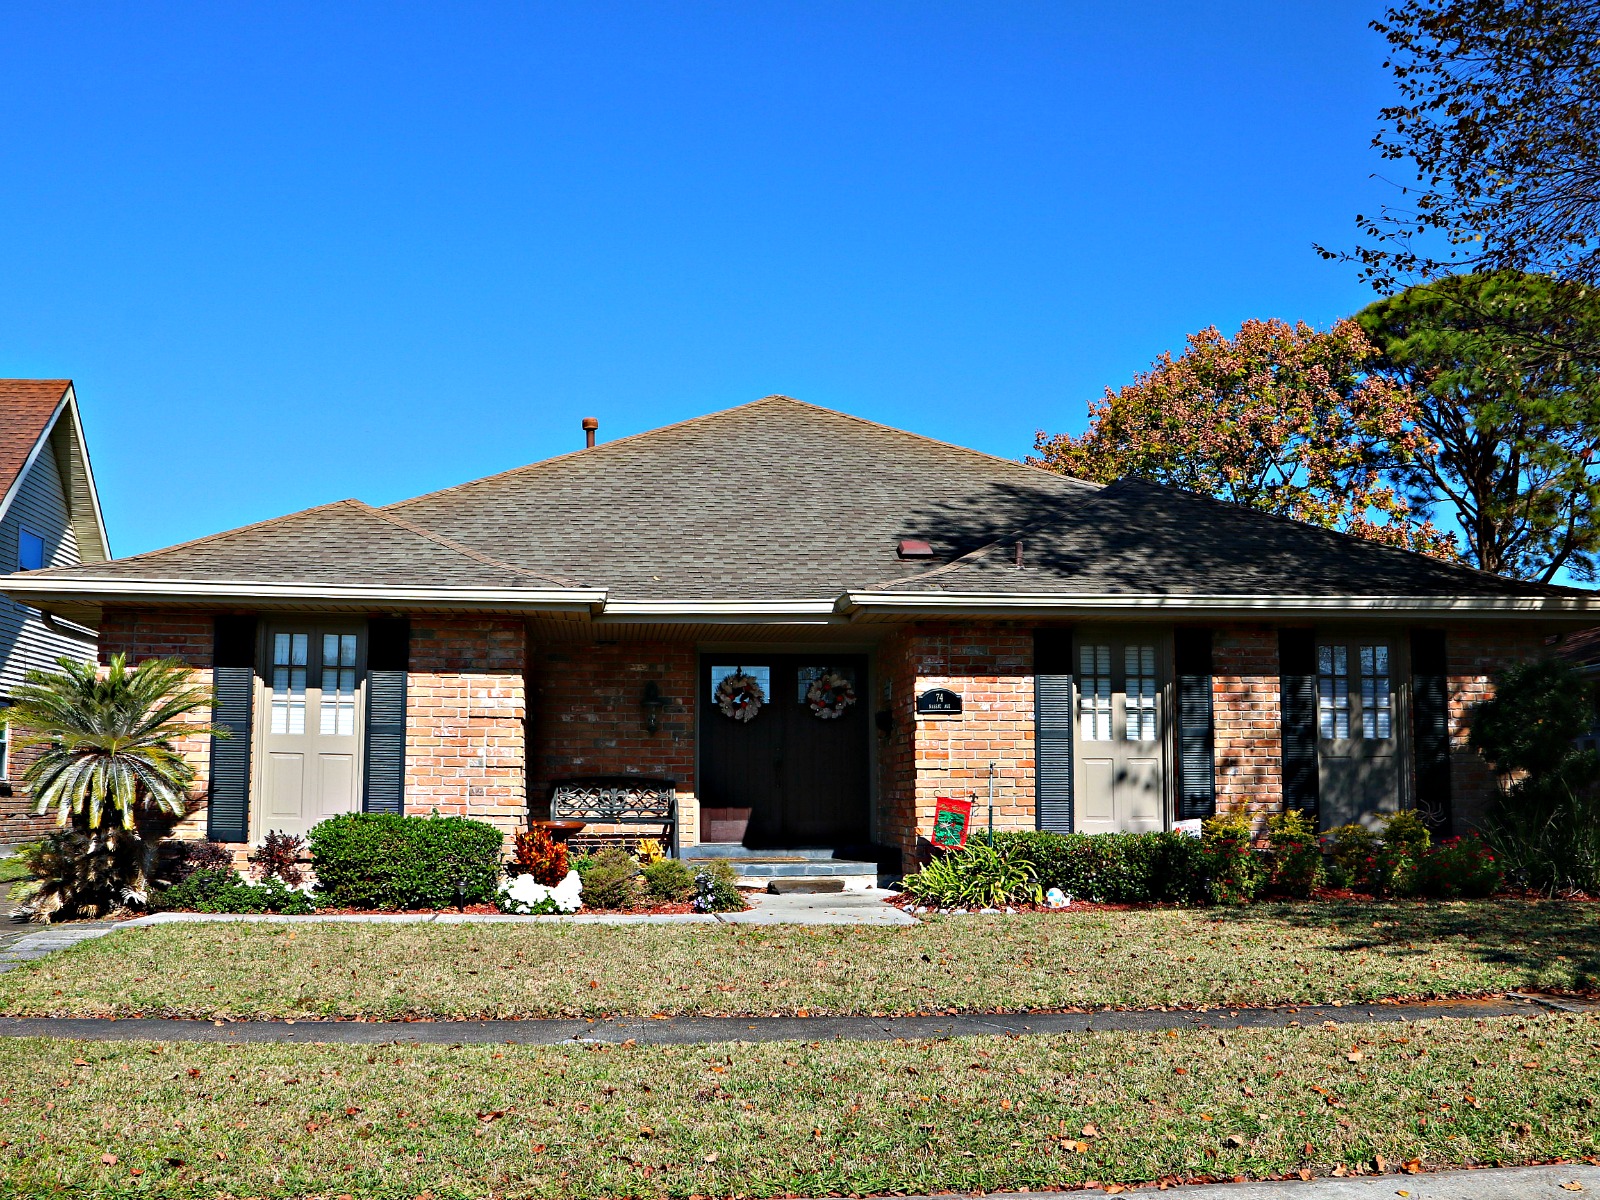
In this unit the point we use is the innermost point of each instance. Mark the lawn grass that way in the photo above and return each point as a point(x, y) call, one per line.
point(399, 1121)
point(12, 870)
point(1261, 955)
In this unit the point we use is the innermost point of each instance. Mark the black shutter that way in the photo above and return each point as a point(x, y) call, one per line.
point(1430, 727)
point(388, 658)
point(1197, 764)
point(233, 677)
point(1052, 730)
point(1297, 683)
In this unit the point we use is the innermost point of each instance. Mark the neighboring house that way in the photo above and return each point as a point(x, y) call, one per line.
point(49, 517)
point(1114, 658)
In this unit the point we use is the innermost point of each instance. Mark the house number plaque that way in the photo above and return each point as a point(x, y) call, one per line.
point(938, 702)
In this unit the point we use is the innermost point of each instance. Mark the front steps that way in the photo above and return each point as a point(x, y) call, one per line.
point(761, 868)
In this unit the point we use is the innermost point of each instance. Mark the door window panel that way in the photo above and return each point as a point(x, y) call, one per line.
point(289, 654)
point(1140, 675)
point(1377, 701)
point(1094, 693)
point(339, 683)
point(1333, 691)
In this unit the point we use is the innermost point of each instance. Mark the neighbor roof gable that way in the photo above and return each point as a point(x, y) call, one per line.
point(36, 415)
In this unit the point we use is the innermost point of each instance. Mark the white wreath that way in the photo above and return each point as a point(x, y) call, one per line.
point(830, 695)
point(740, 696)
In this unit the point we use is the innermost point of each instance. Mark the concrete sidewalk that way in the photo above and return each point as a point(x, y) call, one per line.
point(1496, 1183)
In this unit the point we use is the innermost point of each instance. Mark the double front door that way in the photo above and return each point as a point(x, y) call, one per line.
point(787, 776)
point(311, 765)
point(1121, 730)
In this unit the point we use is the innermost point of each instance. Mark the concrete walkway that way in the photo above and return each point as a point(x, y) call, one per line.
point(1497, 1183)
point(695, 1030)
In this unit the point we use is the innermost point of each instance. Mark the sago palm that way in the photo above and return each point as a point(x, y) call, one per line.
point(109, 769)
point(108, 739)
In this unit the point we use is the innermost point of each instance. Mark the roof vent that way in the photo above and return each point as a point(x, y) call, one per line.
point(590, 425)
point(912, 548)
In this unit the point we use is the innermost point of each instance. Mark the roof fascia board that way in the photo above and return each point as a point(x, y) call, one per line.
point(33, 455)
point(33, 588)
point(859, 604)
point(730, 612)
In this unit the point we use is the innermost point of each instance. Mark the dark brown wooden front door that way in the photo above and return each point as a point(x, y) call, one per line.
point(786, 777)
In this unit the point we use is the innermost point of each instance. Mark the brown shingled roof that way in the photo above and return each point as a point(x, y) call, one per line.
point(26, 406)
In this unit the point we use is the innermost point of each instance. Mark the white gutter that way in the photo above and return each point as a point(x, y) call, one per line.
point(713, 612)
point(32, 588)
point(859, 604)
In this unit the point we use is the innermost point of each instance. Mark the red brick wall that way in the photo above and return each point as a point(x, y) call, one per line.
point(990, 666)
point(465, 707)
point(1475, 653)
point(1248, 721)
point(586, 718)
point(182, 635)
point(17, 820)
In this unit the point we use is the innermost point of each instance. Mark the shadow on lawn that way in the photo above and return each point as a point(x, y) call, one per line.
point(1552, 943)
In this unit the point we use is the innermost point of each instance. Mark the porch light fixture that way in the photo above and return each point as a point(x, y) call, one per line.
point(652, 704)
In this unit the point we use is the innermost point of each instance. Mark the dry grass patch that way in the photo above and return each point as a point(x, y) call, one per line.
point(111, 1119)
point(1264, 955)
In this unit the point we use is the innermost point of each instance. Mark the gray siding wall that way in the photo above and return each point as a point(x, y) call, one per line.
point(41, 506)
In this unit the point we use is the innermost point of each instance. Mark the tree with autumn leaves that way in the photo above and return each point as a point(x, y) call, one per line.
point(1458, 401)
point(1282, 418)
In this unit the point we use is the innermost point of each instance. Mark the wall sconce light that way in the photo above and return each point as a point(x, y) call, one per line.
point(652, 704)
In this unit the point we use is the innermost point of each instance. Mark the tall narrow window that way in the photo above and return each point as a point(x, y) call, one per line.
point(5, 746)
point(338, 683)
point(289, 682)
point(1094, 693)
point(1333, 692)
point(1140, 675)
point(1377, 702)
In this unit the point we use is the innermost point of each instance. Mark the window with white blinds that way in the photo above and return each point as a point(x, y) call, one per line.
point(338, 683)
point(290, 653)
point(1094, 693)
point(1139, 663)
point(1377, 700)
point(1333, 692)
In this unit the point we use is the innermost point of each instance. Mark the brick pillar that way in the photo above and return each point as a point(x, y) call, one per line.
point(1249, 738)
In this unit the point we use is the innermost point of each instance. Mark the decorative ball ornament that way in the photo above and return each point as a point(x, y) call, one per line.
point(739, 696)
point(830, 695)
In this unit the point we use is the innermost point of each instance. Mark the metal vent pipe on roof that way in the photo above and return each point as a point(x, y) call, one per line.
point(590, 425)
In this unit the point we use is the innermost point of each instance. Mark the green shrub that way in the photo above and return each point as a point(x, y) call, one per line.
point(612, 880)
point(1113, 868)
point(1294, 856)
point(976, 875)
point(1352, 857)
point(383, 860)
point(1404, 841)
point(1459, 867)
point(1233, 874)
point(716, 888)
point(668, 879)
point(221, 890)
point(1544, 827)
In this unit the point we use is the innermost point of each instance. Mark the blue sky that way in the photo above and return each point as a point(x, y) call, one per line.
point(293, 253)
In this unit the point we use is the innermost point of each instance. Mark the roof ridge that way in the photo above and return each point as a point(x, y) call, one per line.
point(211, 537)
point(464, 550)
point(723, 412)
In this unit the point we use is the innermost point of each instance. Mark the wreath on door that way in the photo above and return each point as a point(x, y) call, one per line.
point(830, 695)
point(739, 696)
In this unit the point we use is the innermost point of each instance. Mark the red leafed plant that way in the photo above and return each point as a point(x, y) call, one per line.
point(279, 857)
point(540, 855)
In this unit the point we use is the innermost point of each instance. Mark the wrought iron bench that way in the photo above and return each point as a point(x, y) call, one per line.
point(623, 802)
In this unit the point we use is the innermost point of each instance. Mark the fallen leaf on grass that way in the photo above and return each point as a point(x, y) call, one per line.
point(110, 1160)
point(1574, 1186)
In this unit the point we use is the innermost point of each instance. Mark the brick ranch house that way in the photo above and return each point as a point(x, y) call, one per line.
point(1121, 657)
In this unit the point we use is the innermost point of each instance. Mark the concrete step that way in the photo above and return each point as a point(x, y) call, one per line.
point(735, 850)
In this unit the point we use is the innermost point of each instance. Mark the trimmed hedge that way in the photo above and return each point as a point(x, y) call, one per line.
point(383, 860)
point(1115, 868)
